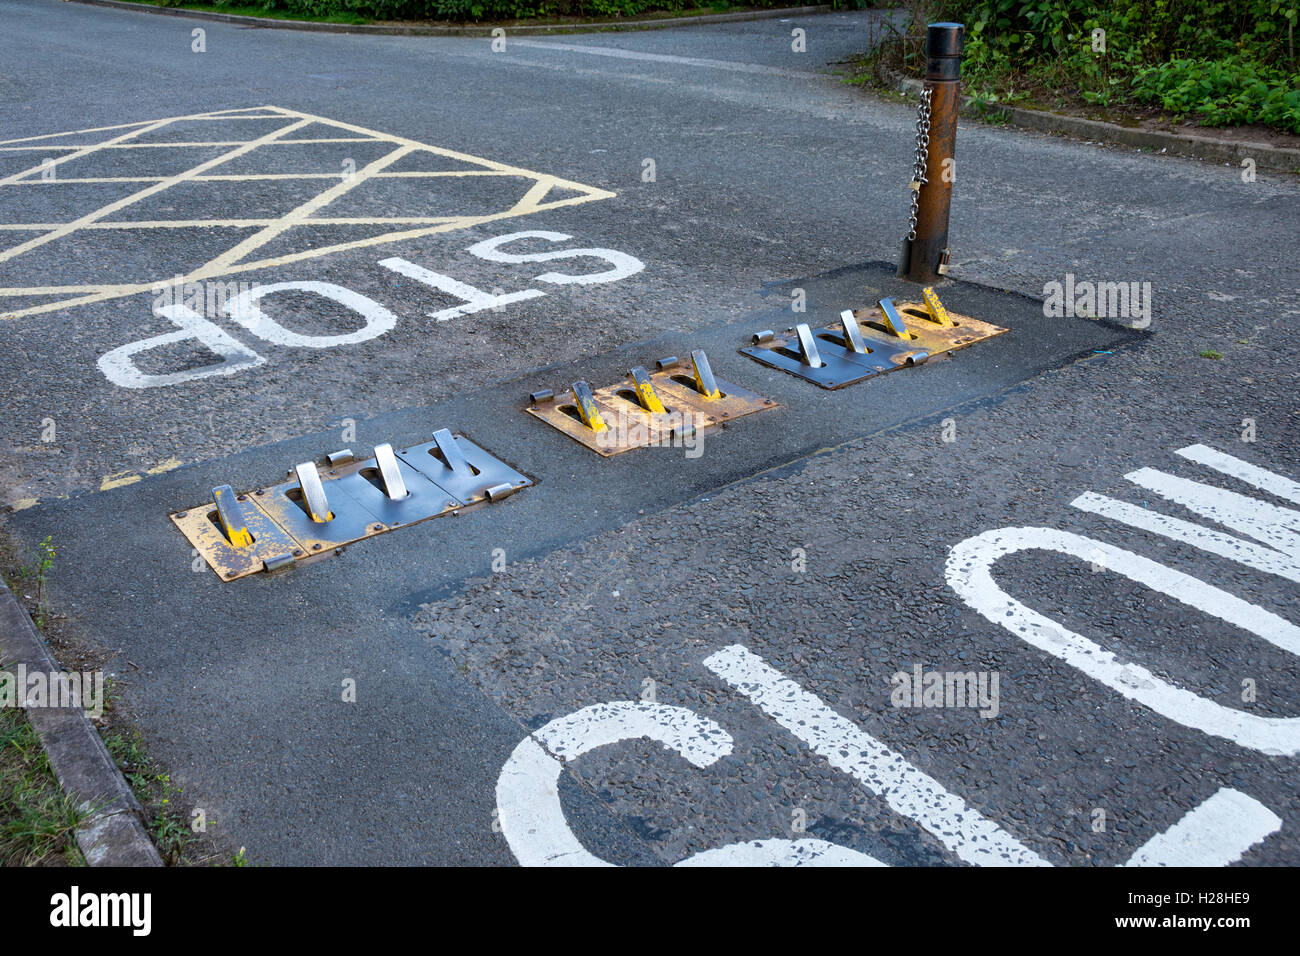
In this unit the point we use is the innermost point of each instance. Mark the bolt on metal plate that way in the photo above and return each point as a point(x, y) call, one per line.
point(202, 527)
point(461, 468)
point(629, 412)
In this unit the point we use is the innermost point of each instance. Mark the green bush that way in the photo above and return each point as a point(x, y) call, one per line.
point(1220, 62)
point(476, 10)
point(1225, 92)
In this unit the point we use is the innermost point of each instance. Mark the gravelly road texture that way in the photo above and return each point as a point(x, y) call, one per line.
point(637, 596)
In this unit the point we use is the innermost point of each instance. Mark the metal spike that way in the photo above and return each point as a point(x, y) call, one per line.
point(893, 321)
point(451, 455)
point(587, 409)
point(935, 307)
point(645, 391)
point(705, 383)
point(313, 492)
point(230, 516)
point(852, 334)
point(389, 474)
point(808, 346)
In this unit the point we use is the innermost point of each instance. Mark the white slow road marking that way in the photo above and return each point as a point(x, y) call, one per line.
point(1215, 542)
point(1216, 833)
point(970, 574)
point(531, 816)
point(907, 790)
point(1244, 470)
point(1276, 529)
point(528, 798)
point(1275, 526)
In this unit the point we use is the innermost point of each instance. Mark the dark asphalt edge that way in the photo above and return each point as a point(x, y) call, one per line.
point(1277, 158)
point(380, 29)
point(113, 832)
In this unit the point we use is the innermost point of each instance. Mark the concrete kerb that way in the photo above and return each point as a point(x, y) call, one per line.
point(461, 31)
point(112, 834)
point(1279, 158)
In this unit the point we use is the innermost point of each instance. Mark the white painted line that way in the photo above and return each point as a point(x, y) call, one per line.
point(234, 261)
point(969, 572)
point(1216, 833)
point(245, 310)
point(529, 811)
point(1244, 470)
point(846, 747)
point(1215, 542)
point(119, 365)
point(476, 300)
point(807, 852)
point(1275, 526)
point(146, 192)
point(616, 53)
point(623, 264)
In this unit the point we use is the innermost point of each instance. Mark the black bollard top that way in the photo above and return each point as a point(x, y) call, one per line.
point(943, 42)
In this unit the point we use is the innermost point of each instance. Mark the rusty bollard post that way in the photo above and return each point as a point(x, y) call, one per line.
point(925, 257)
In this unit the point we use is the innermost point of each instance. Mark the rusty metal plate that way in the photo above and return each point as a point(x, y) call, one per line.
point(461, 468)
point(562, 411)
point(351, 521)
point(629, 425)
point(270, 542)
point(362, 482)
point(925, 332)
point(734, 401)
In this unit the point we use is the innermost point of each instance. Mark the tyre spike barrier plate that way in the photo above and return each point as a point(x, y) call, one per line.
point(870, 342)
point(313, 514)
point(925, 325)
point(660, 409)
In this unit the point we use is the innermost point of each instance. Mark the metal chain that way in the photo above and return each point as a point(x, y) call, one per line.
point(922, 157)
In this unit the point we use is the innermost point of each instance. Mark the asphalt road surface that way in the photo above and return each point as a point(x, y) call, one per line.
point(747, 650)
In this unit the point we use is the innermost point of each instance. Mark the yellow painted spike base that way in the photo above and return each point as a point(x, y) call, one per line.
point(200, 526)
point(630, 426)
point(925, 333)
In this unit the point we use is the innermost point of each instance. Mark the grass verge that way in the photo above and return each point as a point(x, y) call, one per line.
point(1081, 59)
point(37, 821)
